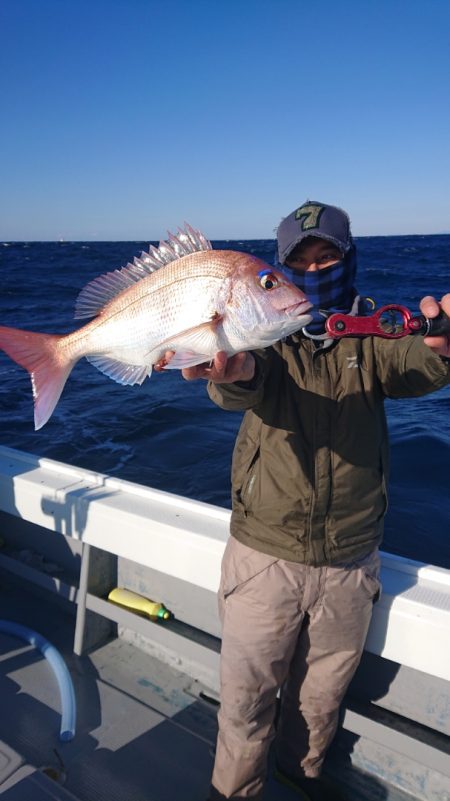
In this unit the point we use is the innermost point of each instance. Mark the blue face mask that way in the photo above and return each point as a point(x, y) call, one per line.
point(330, 289)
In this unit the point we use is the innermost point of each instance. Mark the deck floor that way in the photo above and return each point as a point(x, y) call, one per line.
point(144, 731)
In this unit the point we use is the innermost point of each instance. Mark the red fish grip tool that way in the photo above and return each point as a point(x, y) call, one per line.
point(390, 322)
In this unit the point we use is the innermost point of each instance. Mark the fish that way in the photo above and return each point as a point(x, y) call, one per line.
point(182, 296)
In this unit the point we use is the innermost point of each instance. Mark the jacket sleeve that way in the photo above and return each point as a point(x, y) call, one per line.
point(408, 368)
point(242, 395)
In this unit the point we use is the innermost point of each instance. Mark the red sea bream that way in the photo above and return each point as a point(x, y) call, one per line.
point(182, 297)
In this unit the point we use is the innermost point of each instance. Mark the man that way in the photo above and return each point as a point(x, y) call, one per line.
point(300, 571)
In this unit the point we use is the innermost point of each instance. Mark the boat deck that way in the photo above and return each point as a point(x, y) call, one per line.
point(145, 731)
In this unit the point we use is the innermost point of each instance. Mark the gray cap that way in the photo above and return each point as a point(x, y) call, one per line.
point(314, 219)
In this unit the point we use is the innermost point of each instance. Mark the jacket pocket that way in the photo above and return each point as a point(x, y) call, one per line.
point(244, 493)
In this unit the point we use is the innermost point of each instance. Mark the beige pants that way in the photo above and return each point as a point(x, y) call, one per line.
point(289, 626)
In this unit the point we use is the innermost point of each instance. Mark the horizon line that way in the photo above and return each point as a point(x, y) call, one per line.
point(64, 241)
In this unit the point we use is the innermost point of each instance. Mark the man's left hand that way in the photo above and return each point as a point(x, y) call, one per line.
point(430, 307)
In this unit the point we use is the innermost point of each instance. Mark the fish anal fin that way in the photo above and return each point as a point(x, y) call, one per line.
point(123, 373)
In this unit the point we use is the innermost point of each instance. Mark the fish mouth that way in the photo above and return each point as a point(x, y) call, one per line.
point(297, 309)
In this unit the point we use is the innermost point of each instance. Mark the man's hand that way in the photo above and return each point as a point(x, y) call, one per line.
point(222, 370)
point(430, 307)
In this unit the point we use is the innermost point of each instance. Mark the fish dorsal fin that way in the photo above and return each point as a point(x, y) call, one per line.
point(95, 295)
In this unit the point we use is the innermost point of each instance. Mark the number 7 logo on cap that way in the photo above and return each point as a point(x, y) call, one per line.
point(311, 215)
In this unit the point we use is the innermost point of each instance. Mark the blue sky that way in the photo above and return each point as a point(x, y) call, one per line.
point(124, 118)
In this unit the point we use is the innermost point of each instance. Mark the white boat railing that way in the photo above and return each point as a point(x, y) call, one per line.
point(185, 539)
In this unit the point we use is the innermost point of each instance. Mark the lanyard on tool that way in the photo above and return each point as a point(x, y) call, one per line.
point(390, 322)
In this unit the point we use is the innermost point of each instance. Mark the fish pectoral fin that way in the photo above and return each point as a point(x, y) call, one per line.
point(123, 373)
point(199, 345)
point(185, 358)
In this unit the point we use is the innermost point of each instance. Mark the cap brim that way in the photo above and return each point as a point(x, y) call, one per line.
point(343, 247)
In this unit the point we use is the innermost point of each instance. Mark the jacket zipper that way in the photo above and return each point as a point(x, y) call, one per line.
point(313, 353)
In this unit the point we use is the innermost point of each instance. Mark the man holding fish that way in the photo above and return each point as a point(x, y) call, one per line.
point(300, 570)
point(300, 573)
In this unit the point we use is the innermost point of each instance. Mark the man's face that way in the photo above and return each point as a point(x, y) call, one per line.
point(313, 254)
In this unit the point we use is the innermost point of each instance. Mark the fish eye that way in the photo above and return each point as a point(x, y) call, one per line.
point(267, 279)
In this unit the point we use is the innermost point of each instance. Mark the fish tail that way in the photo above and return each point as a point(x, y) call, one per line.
point(47, 364)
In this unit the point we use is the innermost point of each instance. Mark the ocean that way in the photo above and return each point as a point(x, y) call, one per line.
point(167, 434)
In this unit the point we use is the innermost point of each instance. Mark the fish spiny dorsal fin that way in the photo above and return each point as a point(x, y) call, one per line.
point(95, 295)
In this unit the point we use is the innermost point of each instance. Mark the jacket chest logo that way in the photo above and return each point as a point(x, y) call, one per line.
point(352, 361)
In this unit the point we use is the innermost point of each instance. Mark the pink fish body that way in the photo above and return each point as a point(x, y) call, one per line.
point(183, 296)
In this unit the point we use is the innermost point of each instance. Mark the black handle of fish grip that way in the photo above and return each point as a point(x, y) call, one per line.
point(437, 326)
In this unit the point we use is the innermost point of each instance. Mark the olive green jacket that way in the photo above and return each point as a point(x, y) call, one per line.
point(310, 464)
